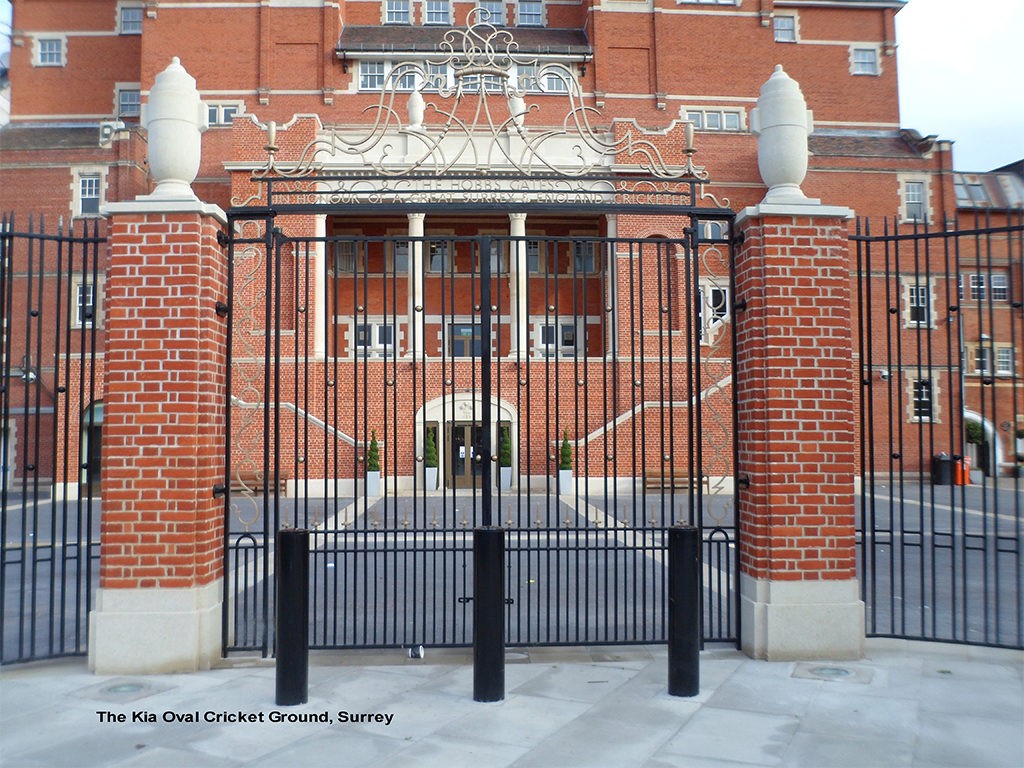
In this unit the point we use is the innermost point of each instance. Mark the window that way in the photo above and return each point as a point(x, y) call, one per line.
point(464, 340)
point(1000, 287)
point(436, 77)
point(397, 12)
point(439, 258)
point(400, 258)
point(531, 13)
point(494, 12)
point(983, 360)
point(584, 257)
point(712, 309)
point(346, 261)
point(89, 194)
point(715, 120)
point(864, 61)
point(436, 12)
point(922, 399)
point(130, 20)
point(535, 264)
point(785, 29)
point(713, 230)
point(50, 52)
point(913, 200)
point(1004, 361)
point(497, 261)
point(556, 80)
point(557, 339)
point(374, 337)
point(918, 300)
point(223, 114)
point(371, 75)
point(403, 78)
point(85, 304)
point(978, 193)
point(977, 283)
point(129, 102)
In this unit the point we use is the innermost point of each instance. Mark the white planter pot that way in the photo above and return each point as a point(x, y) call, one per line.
point(565, 481)
point(373, 483)
point(505, 478)
point(430, 478)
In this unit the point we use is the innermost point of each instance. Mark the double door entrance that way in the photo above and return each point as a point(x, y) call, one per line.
point(462, 446)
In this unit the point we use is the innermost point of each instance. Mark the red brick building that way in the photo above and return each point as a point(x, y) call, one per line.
point(80, 72)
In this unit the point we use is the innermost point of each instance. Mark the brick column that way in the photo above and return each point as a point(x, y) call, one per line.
point(796, 415)
point(161, 549)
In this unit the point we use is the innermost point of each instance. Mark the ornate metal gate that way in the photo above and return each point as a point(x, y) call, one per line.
point(421, 347)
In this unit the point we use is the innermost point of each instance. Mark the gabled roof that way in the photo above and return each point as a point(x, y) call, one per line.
point(356, 40)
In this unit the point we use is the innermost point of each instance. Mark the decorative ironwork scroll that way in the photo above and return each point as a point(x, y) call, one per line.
point(478, 118)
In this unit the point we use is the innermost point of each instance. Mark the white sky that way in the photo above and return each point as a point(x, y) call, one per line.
point(961, 73)
point(961, 67)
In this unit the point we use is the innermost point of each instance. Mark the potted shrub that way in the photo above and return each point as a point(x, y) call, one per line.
point(505, 459)
point(373, 466)
point(429, 460)
point(565, 465)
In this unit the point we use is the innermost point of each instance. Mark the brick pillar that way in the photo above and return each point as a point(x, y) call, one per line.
point(796, 415)
point(161, 547)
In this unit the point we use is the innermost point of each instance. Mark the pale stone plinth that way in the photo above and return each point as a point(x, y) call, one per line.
point(155, 631)
point(788, 620)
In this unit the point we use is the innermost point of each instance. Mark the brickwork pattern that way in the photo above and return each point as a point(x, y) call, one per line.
point(795, 400)
point(164, 406)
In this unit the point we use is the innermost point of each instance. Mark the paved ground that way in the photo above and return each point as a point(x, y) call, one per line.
point(905, 704)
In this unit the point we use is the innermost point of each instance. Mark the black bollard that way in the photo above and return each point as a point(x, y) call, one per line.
point(683, 611)
point(488, 614)
point(291, 570)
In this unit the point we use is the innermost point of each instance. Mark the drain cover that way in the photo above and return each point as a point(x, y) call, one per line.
point(833, 672)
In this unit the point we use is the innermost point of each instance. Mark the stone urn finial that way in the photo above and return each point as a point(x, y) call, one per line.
point(782, 123)
point(174, 117)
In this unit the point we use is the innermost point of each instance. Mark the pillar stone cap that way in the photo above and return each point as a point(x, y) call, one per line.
point(808, 208)
point(159, 204)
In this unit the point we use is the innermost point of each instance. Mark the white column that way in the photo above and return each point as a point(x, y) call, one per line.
point(320, 318)
point(517, 276)
point(416, 282)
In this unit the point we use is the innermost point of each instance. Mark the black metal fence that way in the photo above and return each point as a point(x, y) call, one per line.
point(466, 365)
point(50, 423)
point(941, 328)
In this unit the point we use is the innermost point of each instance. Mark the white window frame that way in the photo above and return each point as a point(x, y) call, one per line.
point(712, 318)
point(432, 10)
point(222, 113)
point(397, 251)
point(394, 14)
point(130, 29)
point(449, 339)
point(588, 254)
point(60, 42)
point(1006, 363)
point(78, 175)
point(911, 289)
point(354, 258)
point(999, 286)
point(858, 62)
point(535, 252)
point(439, 249)
point(533, 18)
point(78, 284)
point(382, 336)
point(933, 401)
point(380, 70)
point(717, 119)
point(543, 327)
point(982, 360)
point(496, 13)
point(785, 33)
point(120, 91)
point(908, 189)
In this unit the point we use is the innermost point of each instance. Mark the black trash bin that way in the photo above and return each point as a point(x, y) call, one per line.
point(942, 469)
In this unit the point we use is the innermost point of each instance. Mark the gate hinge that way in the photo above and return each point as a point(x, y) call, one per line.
point(739, 305)
point(743, 481)
point(222, 309)
point(222, 239)
point(219, 490)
